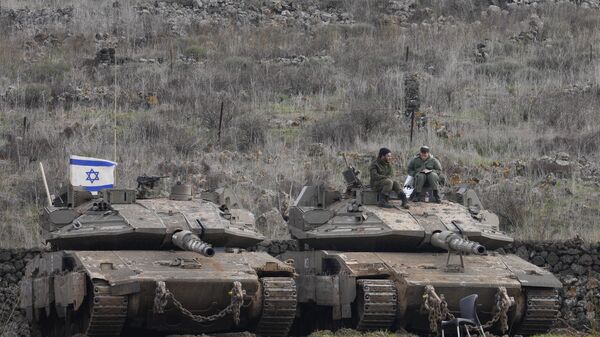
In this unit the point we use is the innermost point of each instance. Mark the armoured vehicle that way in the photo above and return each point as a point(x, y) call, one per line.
point(130, 262)
point(372, 268)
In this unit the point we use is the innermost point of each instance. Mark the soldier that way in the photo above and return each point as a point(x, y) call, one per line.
point(425, 169)
point(381, 179)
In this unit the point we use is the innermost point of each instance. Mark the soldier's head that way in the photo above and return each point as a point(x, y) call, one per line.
point(424, 152)
point(385, 154)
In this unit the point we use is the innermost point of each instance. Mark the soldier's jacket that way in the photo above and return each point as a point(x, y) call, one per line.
point(380, 170)
point(416, 165)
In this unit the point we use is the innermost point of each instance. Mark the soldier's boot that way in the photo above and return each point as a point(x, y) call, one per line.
point(436, 197)
point(384, 200)
point(404, 201)
point(415, 197)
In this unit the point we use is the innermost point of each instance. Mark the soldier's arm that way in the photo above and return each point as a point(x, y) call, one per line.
point(374, 171)
point(437, 167)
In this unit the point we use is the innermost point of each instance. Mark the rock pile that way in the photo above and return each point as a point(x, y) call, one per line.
point(13, 322)
point(105, 56)
point(536, 26)
point(535, 3)
point(559, 165)
point(412, 101)
point(22, 18)
point(304, 14)
point(298, 59)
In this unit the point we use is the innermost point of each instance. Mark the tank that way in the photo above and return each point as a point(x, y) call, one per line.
point(370, 268)
point(131, 262)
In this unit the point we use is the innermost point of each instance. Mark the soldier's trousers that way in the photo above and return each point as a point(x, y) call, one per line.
point(385, 186)
point(430, 179)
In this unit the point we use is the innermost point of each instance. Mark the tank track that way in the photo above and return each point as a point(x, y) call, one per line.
point(279, 306)
point(542, 311)
point(376, 303)
point(107, 313)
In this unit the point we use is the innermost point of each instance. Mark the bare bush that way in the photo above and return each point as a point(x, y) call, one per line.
point(284, 87)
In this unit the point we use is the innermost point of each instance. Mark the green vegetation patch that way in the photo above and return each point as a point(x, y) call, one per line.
point(47, 71)
point(355, 333)
point(196, 52)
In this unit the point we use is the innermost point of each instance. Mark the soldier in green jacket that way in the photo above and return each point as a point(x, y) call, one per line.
point(381, 179)
point(425, 169)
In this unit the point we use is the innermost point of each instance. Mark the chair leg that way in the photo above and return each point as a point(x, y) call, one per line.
point(458, 330)
point(482, 332)
point(467, 330)
point(442, 332)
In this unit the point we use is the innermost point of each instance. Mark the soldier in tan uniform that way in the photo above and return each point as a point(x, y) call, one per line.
point(381, 171)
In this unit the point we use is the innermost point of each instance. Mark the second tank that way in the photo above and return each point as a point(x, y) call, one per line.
point(370, 268)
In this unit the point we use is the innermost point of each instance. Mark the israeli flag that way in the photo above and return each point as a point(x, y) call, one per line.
point(92, 173)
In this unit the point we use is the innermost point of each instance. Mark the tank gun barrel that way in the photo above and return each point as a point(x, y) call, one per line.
point(187, 240)
point(453, 241)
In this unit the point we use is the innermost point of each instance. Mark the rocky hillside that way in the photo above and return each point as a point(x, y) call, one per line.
point(505, 92)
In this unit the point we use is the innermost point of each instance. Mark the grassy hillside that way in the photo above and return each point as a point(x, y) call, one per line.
point(300, 83)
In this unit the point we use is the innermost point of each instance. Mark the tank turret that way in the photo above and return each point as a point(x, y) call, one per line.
point(143, 261)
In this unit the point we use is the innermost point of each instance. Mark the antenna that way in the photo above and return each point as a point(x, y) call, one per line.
point(46, 185)
point(115, 113)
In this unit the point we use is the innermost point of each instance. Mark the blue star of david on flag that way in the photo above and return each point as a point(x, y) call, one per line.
point(93, 174)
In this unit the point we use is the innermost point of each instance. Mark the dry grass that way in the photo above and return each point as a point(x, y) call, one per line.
point(513, 107)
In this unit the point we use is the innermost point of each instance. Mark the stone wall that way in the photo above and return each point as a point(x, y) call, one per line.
point(13, 322)
point(577, 266)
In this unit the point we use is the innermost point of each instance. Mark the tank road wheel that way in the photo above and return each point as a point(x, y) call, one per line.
point(376, 303)
point(542, 311)
point(279, 306)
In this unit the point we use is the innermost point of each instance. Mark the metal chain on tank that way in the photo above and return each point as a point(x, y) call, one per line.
point(436, 306)
point(503, 304)
point(163, 294)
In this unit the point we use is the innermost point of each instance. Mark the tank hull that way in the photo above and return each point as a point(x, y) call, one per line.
point(349, 284)
point(102, 293)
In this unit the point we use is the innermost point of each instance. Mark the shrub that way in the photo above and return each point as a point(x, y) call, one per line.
point(249, 130)
point(195, 52)
point(32, 95)
point(503, 70)
point(185, 140)
point(346, 128)
point(47, 71)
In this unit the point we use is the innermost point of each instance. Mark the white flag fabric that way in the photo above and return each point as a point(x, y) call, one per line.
point(92, 173)
point(409, 186)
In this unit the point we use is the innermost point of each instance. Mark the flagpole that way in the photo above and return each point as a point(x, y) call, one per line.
point(115, 121)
